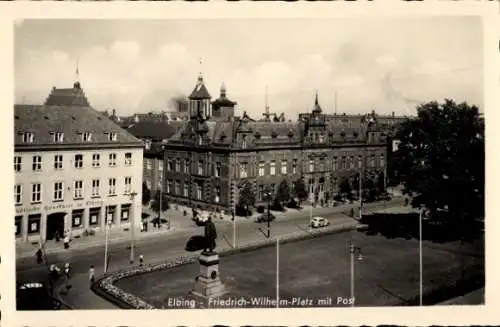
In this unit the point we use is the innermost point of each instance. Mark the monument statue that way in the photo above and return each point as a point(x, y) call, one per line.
point(210, 235)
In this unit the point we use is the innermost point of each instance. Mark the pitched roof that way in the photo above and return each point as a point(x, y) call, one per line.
point(200, 91)
point(67, 97)
point(157, 130)
point(42, 120)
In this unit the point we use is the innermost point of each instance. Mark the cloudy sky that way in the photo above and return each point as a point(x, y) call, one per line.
point(385, 64)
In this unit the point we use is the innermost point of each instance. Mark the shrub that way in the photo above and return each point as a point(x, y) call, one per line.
point(242, 212)
point(261, 209)
point(293, 204)
point(276, 206)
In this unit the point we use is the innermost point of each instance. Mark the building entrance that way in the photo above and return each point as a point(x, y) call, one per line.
point(55, 223)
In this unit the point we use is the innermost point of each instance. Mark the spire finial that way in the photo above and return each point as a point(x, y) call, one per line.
point(316, 102)
point(76, 84)
point(200, 76)
point(223, 90)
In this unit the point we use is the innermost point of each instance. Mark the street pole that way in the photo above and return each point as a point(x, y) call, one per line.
point(420, 255)
point(351, 254)
point(132, 227)
point(234, 229)
point(269, 215)
point(106, 244)
point(159, 212)
point(277, 272)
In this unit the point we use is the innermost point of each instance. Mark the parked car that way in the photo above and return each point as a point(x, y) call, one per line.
point(195, 243)
point(35, 296)
point(265, 217)
point(317, 222)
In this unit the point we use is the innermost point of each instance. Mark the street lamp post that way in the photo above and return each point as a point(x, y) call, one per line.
point(420, 255)
point(132, 226)
point(108, 226)
point(354, 251)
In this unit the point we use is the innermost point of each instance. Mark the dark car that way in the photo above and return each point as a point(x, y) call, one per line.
point(195, 243)
point(35, 296)
point(265, 217)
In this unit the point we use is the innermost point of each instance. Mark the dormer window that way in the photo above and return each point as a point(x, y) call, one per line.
point(274, 134)
point(200, 140)
point(321, 138)
point(244, 142)
point(57, 137)
point(27, 137)
point(86, 136)
point(112, 136)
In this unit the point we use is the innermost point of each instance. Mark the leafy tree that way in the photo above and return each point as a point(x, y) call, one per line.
point(300, 190)
point(283, 194)
point(155, 204)
point(441, 161)
point(345, 187)
point(247, 196)
point(146, 194)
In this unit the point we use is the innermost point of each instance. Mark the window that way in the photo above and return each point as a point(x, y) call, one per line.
point(112, 159)
point(128, 185)
point(217, 194)
point(86, 136)
point(18, 162)
point(18, 194)
point(19, 224)
point(343, 163)
point(169, 186)
point(200, 167)
point(262, 168)
point(148, 184)
point(28, 137)
point(78, 160)
point(311, 165)
point(186, 189)
point(351, 162)
point(94, 214)
point(198, 191)
point(147, 164)
point(322, 164)
point(95, 187)
point(78, 190)
point(58, 191)
point(125, 212)
point(244, 142)
point(273, 168)
point(160, 165)
point(36, 193)
point(112, 186)
point(96, 158)
point(37, 163)
point(177, 187)
point(76, 218)
point(178, 165)
point(360, 162)
point(200, 140)
point(321, 138)
point(57, 137)
point(128, 159)
point(243, 170)
point(186, 166)
point(34, 223)
point(334, 164)
point(372, 160)
point(217, 169)
point(294, 166)
point(284, 166)
point(382, 160)
point(170, 165)
point(58, 162)
point(112, 136)
point(260, 192)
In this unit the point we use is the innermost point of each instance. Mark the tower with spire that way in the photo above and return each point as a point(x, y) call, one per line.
point(199, 105)
point(68, 96)
point(222, 107)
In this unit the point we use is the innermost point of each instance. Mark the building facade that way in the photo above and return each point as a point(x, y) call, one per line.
point(207, 161)
point(74, 169)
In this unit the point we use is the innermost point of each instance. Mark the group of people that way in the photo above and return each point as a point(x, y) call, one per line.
point(66, 238)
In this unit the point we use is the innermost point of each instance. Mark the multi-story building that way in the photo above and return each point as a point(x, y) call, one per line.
point(207, 161)
point(74, 169)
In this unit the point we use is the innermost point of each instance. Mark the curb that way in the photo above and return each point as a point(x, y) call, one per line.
point(105, 287)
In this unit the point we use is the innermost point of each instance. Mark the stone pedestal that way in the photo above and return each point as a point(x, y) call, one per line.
point(208, 283)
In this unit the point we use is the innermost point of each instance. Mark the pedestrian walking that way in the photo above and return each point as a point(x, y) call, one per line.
point(141, 260)
point(92, 274)
point(67, 274)
point(66, 241)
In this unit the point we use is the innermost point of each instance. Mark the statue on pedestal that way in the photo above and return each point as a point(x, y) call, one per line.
point(210, 236)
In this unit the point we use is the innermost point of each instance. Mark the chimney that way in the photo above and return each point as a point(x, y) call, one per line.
point(393, 114)
point(114, 112)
